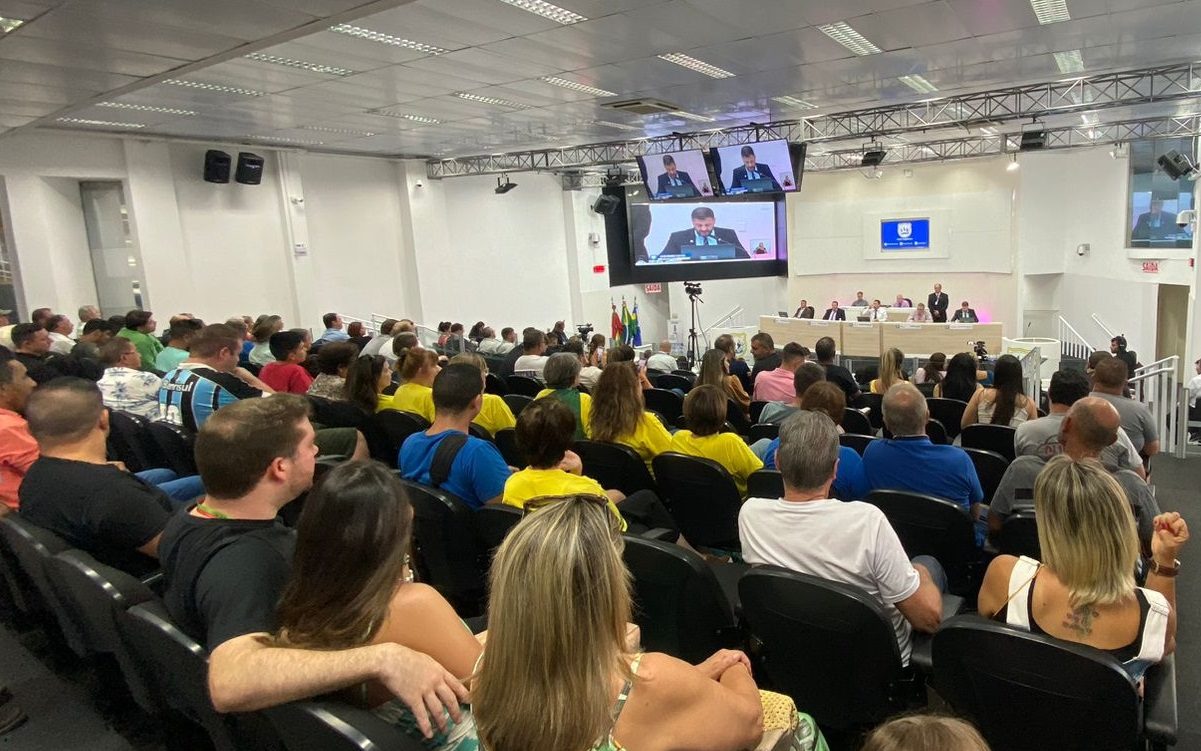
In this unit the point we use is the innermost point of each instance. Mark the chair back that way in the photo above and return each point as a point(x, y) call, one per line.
point(678, 603)
point(494, 384)
point(479, 432)
point(737, 418)
point(811, 627)
point(336, 414)
point(927, 525)
point(129, 441)
point(614, 466)
point(523, 385)
point(761, 430)
point(175, 445)
point(927, 389)
point(673, 381)
point(875, 407)
point(398, 426)
point(702, 499)
point(765, 483)
point(33, 548)
point(998, 438)
point(757, 410)
point(990, 468)
point(517, 402)
point(686, 374)
point(667, 403)
point(336, 726)
point(857, 441)
point(1019, 535)
point(445, 555)
point(492, 525)
point(949, 412)
point(937, 433)
point(1017, 686)
point(506, 443)
point(854, 421)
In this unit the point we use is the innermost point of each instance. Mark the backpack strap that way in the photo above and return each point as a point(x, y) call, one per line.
point(444, 458)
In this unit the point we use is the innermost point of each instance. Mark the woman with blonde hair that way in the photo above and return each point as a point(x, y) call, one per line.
point(891, 363)
point(417, 368)
point(557, 673)
point(494, 415)
point(619, 414)
point(925, 733)
point(715, 371)
point(1083, 591)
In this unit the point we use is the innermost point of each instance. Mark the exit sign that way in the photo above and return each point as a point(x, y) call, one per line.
point(1150, 267)
point(654, 288)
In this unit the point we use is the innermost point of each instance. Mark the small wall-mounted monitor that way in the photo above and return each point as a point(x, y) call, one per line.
point(762, 167)
point(905, 234)
point(678, 174)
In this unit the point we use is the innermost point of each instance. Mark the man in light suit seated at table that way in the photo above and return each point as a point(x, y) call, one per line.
point(874, 313)
point(834, 313)
point(920, 314)
point(902, 302)
point(703, 232)
point(965, 314)
point(674, 178)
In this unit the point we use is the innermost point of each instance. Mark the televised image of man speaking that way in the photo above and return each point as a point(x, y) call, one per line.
point(675, 181)
point(1154, 224)
point(751, 173)
point(705, 233)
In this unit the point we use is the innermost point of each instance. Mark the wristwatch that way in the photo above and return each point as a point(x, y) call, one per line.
point(1164, 571)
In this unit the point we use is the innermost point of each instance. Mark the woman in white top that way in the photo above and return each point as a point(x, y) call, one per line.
point(1004, 403)
point(933, 371)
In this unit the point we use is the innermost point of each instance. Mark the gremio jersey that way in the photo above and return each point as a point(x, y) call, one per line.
point(191, 393)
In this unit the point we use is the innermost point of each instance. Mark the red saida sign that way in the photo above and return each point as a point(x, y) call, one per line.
point(654, 288)
point(1150, 267)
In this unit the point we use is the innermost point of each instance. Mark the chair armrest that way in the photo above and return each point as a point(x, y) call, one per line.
point(1159, 702)
point(952, 605)
point(921, 652)
point(660, 533)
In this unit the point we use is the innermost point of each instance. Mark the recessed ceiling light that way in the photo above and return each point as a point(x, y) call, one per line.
point(338, 131)
point(614, 126)
point(842, 33)
point(379, 36)
point(1069, 61)
point(288, 62)
point(213, 87)
point(691, 116)
point(406, 116)
point(8, 24)
point(99, 123)
point(489, 100)
point(547, 10)
point(792, 101)
point(146, 108)
point(281, 139)
point(918, 84)
point(1051, 11)
point(582, 88)
point(700, 66)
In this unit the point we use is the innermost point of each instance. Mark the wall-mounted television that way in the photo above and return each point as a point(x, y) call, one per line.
point(905, 234)
point(763, 167)
point(676, 175)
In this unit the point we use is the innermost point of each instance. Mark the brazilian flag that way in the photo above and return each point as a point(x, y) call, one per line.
point(633, 330)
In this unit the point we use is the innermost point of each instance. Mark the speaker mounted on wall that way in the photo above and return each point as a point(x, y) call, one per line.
point(216, 166)
point(605, 204)
point(250, 168)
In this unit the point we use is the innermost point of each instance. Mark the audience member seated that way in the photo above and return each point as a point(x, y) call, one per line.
point(417, 368)
point(562, 383)
point(179, 338)
point(124, 387)
point(493, 346)
point(1109, 383)
point(805, 376)
point(777, 385)
point(588, 372)
point(266, 327)
point(557, 337)
point(705, 410)
point(443, 333)
point(1085, 431)
point(60, 327)
point(715, 372)
point(31, 346)
point(366, 380)
point(1004, 403)
point(663, 361)
point(445, 456)
point(892, 364)
point(456, 343)
point(925, 733)
point(595, 356)
point(95, 333)
point(813, 533)
point(619, 414)
point(18, 449)
point(88, 313)
point(960, 381)
point(559, 650)
point(532, 360)
point(285, 375)
point(920, 314)
point(227, 560)
point(736, 365)
point(139, 327)
point(380, 340)
point(357, 335)
point(75, 492)
point(351, 585)
point(494, 415)
point(624, 353)
point(476, 335)
point(333, 329)
point(909, 461)
point(825, 350)
point(1083, 591)
point(933, 371)
point(763, 349)
point(333, 360)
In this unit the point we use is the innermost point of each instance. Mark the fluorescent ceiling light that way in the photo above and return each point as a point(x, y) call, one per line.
point(700, 66)
point(281, 139)
point(918, 84)
point(547, 10)
point(1051, 11)
point(379, 36)
point(338, 131)
point(988, 132)
point(100, 123)
point(407, 116)
point(213, 87)
point(1069, 61)
point(690, 116)
point(288, 62)
point(842, 33)
point(489, 100)
point(615, 126)
point(8, 24)
point(582, 88)
point(792, 101)
point(146, 108)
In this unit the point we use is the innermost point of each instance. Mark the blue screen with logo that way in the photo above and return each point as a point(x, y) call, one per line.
point(905, 234)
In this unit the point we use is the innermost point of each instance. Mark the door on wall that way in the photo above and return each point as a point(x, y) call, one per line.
point(8, 289)
point(116, 263)
point(1170, 334)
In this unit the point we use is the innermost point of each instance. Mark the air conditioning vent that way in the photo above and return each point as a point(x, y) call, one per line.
point(642, 106)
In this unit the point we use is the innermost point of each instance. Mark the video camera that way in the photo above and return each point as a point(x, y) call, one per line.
point(981, 352)
point(584, 330)
point(693, 289)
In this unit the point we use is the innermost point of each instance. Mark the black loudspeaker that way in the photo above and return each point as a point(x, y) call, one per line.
point(606, 204)
point(216, 166)
point(250, 169)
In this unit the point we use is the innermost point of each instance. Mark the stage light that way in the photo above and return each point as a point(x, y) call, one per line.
point(505, 186)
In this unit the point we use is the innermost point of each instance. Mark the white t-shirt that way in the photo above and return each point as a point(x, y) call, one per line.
point(662, 362)
point(530, 365)
point(851, 543)
point(1194, 390)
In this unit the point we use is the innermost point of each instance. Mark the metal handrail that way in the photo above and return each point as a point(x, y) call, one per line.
point(1157, 387)
point(1140, 370)
point(1071, 342)
point(1107, 329)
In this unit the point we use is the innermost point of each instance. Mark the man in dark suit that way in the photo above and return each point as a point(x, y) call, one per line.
point(804, 310)
point(703, 232)
point(937, 302)
point(752, 170)
point(965, 314)
point(1154, 224)
point(673, 177)
point(834, 313)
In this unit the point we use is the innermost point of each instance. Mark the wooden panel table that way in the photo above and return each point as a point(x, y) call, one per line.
point(803, 331)
point(950, 338)
point(861, 339)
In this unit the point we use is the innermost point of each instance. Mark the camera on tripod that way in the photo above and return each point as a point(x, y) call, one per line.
point(693, 289)
point(980, 350)
point(584, 330)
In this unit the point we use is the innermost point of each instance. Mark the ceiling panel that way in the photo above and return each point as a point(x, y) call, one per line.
point(483, 66)
point(97, 25)
point(16, 46)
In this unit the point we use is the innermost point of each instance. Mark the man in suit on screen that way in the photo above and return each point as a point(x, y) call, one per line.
point(752, 170)
point(937, 302)
point(704, 232)
point(673, 177)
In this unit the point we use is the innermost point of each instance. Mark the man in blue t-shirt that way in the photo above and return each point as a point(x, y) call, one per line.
point(477, 473)
point(208, 380)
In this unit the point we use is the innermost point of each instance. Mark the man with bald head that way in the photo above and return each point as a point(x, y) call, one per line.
point(662, 361)
point(1091, 426)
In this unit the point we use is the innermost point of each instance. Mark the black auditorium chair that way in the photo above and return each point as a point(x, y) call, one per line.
point(506, 443)
point(854, 421)
point(737, 418)
point(678, 602)
point(398, 426)
point(807, 627)
point(765, 483)
point(702, 498)
point(990, 468)
point(445, 554)
point(949, 412)
point(523, 385)
point(757, 410)
point(875, 408)
point(927, 525)
point(667, 403)
point(927, 389)
point(614, 466)
point(479, 432)
point(176, 446)
point(761, 430)
point(856, 441)
point(336, 726)
point(673, 381)
point(34, 547)
point(937, 432)
point(998, 438)
point(1025, 690)
point(492, 525)
point(686, 374)
point(494, 384)
point(517, 402)
point(129, 442)
point(1019, 535)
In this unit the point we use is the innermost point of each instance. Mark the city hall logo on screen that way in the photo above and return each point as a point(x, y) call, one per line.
point(905, 234)
point(905, 230)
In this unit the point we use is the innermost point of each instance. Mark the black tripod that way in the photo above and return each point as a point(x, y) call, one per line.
point(694, 347)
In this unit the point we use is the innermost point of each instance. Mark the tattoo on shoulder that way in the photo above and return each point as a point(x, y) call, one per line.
point(1080, 620)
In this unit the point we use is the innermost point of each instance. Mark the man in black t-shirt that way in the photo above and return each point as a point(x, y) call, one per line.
point(825, 351)
point(763, 347)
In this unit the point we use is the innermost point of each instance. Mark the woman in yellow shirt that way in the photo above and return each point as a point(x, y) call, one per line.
point(495, 415)
point(705, 409)
point(890, 371)
point(562, 376)
point(619, 414)
point(417, 368)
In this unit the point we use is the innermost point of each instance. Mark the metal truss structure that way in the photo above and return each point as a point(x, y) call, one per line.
point(1085, 94)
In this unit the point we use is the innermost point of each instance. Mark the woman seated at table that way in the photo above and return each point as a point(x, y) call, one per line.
point(351, 586)
point(891, 363)
point(961, 379)
point(619, 414)
point(1004, 403)
point(705, 409)
point(1083, 590)
point(562, 377)
point(556, 672)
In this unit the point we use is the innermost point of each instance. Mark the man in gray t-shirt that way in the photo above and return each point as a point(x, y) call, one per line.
point(1109, 383)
